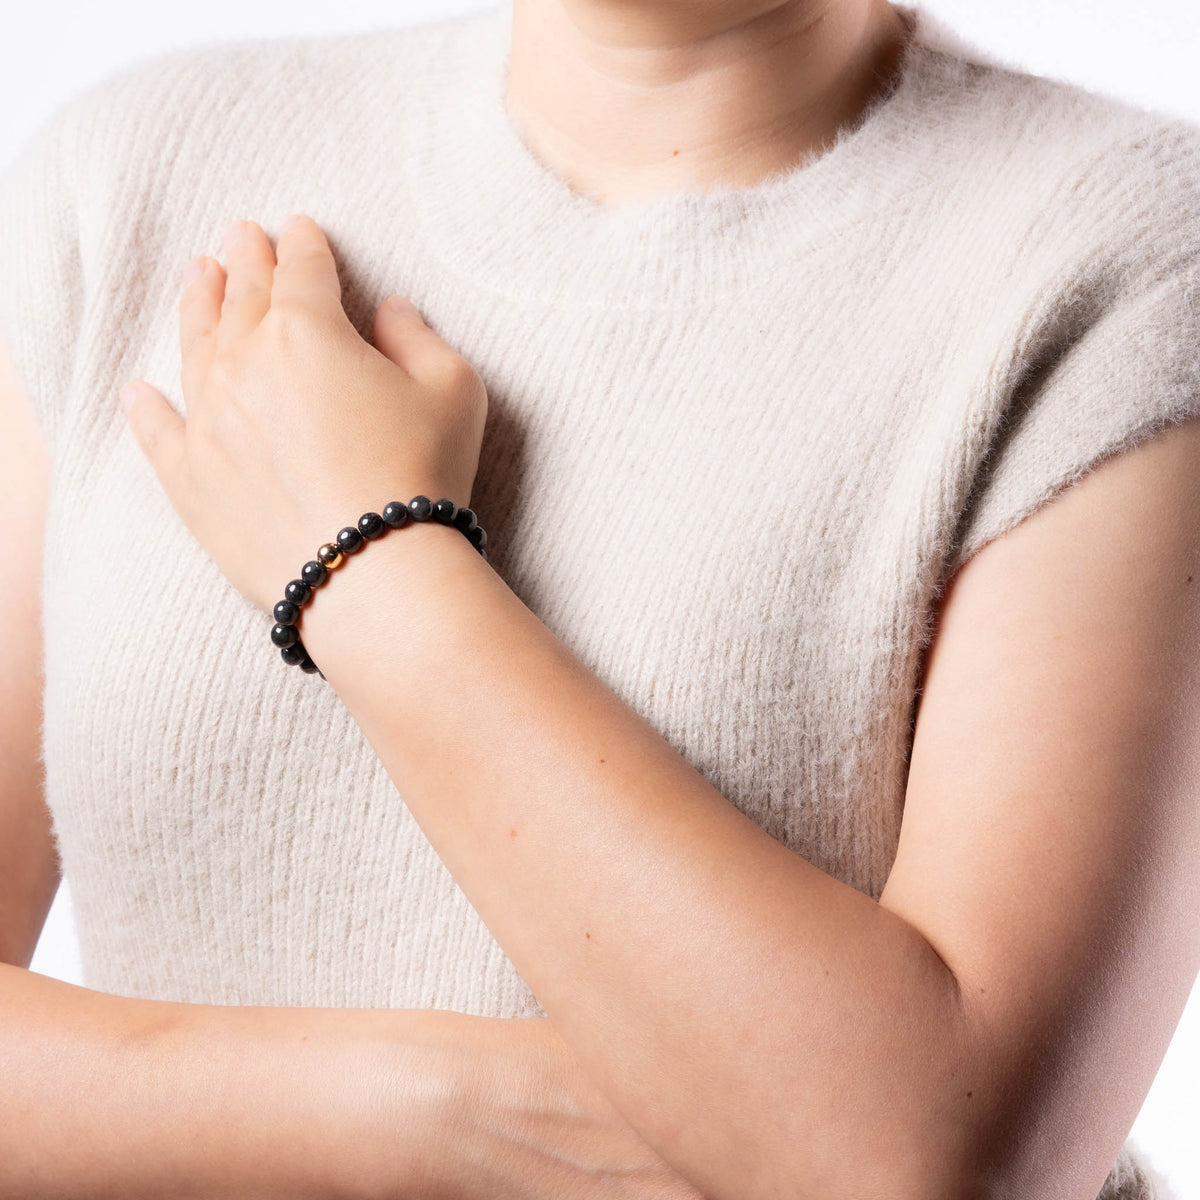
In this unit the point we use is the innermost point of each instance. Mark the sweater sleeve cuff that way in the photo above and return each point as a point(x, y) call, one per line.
point(1133, 372)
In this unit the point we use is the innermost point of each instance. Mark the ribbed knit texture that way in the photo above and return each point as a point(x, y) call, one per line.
point(737, 442)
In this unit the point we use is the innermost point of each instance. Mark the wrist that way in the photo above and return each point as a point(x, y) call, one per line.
point(384, 594)
point(416, 1086)
point(453, 1082)
point(300, 1102)
point(513, 1103)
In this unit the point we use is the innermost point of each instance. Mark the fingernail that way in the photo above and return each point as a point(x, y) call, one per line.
point(404, 306)
point(192, 270)
point(128, 395)
point(290, 221)
point(233, 231)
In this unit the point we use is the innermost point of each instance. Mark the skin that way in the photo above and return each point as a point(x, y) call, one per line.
point(1045, 882)
point(366, 1104)
point(628, 99)
point(1002, 928)
point(29, 872)
point(537, 1124)
point(112, 1097)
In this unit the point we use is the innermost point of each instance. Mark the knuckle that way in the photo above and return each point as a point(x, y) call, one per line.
point(291, 316)
point(288, 262)
point(197, 312)
point(299, 258)
point(459, 377)
point(225, 369)
point(298, 332)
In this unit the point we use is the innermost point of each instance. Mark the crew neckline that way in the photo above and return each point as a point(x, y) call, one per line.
point(491, 209)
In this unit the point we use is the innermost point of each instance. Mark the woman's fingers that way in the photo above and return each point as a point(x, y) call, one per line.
point(161, 433)
point(249, 269)
point(202, 289)
point(220, 306)
point(305, 270)
point(402, 335)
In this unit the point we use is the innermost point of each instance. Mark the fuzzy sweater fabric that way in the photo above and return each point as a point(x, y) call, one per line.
point(737, 442)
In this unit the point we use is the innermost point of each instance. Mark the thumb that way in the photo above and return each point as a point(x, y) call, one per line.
point(158, 430)
point(402, 335)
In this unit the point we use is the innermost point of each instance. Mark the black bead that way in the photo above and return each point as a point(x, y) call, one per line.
point(298, 592)
point(314, 573)
point(349, 540)
point(477, 537)
point(307, 665)
point(284, 635)
point(420, 508)
point(444, 511)
point(395, 514)
point(371, 525)
point(286, 613)
point(483, 553)
point(293, 654)
point(464, 519)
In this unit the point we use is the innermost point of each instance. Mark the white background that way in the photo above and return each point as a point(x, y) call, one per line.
point(1146, 53)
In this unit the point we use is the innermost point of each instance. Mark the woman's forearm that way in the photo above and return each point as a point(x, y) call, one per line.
point(109, 1096)
point(751, 1015)
point(528, 1122)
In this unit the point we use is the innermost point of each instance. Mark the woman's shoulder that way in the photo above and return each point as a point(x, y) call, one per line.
point(1074, 215)
point(234, 96)
point(1052, 159)
point(244, 66)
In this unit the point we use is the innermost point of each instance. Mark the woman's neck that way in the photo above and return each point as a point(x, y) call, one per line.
point(631, 99)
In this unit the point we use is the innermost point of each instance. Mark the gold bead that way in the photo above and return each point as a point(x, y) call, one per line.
point(331, 555)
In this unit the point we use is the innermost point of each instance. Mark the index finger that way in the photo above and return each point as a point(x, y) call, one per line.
point(304, 266)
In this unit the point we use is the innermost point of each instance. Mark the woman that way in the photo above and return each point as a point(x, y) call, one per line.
point(764, 340)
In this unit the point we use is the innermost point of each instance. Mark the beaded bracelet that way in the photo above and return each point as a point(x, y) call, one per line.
point(351, 540)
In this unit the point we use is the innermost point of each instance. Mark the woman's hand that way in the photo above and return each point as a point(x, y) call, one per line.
point(295, 425)
point(528, 1123)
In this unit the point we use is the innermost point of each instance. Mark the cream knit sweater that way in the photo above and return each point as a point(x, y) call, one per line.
point(884, 358)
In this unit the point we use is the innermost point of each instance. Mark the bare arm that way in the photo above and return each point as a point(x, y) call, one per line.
point(111, 1097)
point(1044, 885)
point(981, 1030)
point(107, 1096)
point(29, 872)
point(1051, 829)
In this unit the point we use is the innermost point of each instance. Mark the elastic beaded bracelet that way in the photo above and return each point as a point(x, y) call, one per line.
point(351, 540)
